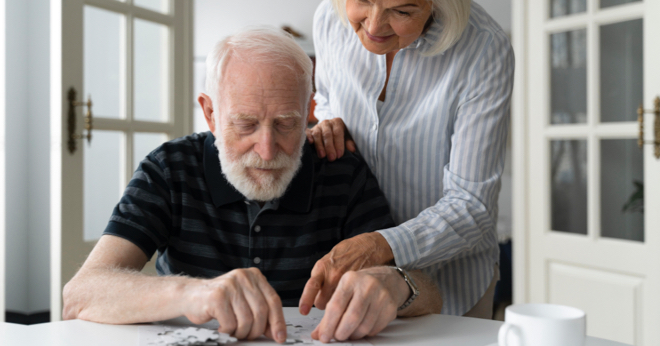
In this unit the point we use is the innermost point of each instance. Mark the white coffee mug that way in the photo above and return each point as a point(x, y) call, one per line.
point(542, 325)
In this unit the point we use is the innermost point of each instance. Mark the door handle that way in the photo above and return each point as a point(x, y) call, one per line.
point(656, 129)
point(72, 119)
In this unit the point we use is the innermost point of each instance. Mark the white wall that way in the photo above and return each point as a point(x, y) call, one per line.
point(3, 131)
point(39, 158)
point(27, 156)
point(17, 139)
point(500, 10)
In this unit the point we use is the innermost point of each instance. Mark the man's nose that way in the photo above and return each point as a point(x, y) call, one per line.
point(265, 146)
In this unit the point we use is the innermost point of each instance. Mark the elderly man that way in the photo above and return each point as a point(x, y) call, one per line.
point(241, 214)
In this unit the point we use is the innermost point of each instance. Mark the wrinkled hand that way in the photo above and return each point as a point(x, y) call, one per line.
point(364, 303)
point(362, 251)
point(242, 301)
point(330, 137)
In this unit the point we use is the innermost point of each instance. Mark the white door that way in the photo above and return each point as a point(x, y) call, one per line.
point(593, 239)
point(132, 58)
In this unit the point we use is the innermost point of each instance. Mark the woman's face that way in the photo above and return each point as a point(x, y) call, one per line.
point(384, 26)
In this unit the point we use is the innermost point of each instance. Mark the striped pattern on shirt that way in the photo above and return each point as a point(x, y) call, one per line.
point(179, 203)
point(436, 145)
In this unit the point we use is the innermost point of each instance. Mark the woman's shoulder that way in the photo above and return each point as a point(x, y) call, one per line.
point(482, 24)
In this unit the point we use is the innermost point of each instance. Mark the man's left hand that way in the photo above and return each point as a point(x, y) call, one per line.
point(364, 303)
point(362, 251)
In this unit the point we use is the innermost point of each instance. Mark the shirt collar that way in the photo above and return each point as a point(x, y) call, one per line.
point(298, 196)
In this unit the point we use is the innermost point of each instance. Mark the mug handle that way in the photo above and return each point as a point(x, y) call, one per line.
point(503, 336)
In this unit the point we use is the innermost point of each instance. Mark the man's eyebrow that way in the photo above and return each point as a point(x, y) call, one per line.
point(294, 114)
point(242, 116)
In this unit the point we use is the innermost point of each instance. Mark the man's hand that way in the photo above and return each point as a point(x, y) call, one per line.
point(330, 137)
point(362, 251)
point(242, 301)
point(364, 303)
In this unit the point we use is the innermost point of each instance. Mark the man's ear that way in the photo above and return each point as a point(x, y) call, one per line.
point(207, 106)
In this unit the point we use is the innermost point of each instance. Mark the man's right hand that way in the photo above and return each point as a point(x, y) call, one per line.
point(242, 301)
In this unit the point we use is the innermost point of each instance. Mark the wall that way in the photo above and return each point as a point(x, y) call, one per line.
point(39, 156)
point(16, 156)
point(27, 156)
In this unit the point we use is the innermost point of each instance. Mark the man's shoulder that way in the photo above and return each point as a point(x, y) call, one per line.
point(348, 166)
point(180, 149)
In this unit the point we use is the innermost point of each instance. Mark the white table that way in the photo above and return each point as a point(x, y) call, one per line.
point(432, 330)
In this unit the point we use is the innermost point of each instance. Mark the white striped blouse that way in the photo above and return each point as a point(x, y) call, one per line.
point(436, 145)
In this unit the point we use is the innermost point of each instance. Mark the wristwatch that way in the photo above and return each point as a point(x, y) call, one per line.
point(411, 284)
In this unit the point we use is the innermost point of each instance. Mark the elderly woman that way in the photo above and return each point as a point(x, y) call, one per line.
point(423, 88)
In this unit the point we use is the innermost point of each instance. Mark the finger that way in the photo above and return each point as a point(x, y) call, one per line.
point(338, 136)
point(276, 325)
point(310, 137)
point(317, 134)
point(328, 289)
point(385, 317)
point(312, 287)
point(350, 145)
point(226, 318)
point(254, 292)
point(328, 139)
point(358, 318)
point(369, 320)
point(335, 310)
point(244, 316)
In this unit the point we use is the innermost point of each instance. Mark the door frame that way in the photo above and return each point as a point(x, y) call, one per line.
point(61, 162)
point(519, 138)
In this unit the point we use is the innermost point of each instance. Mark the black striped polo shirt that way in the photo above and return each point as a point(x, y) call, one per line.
point(180, 204)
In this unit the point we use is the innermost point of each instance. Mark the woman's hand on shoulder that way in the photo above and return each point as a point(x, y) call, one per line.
point(330, 137)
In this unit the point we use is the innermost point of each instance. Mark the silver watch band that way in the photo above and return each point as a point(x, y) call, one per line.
point(413, 288)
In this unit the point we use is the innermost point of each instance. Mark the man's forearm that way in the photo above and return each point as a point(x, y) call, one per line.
point(429, 300)
point(116, 296)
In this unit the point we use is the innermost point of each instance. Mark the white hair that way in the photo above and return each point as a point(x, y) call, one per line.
point(259, 45)
point(453, 14)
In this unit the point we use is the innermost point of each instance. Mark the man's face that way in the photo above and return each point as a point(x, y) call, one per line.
point(260, 131)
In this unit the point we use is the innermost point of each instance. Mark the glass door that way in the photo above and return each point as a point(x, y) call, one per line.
point(591, 231)
point(130, 59)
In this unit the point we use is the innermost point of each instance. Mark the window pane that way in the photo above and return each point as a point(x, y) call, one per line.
point(568, 74)
point(622, 189)
point(621, 70)
point(610, 3)
point(144, 143)
point(568, 179)
point(103, 62)
point(162, 6)
point(103, 170)
point(151, 71)
point(559, 8)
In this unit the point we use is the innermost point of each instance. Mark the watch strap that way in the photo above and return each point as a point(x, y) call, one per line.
point(413, 288)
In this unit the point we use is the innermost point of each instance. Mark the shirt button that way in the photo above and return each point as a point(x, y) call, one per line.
point(257, 228)
point(257, 260)
point(247, 202)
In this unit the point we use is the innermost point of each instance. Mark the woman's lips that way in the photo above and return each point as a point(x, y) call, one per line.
point(379, 39)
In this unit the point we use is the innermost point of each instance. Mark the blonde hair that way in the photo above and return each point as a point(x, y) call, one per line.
point(453, 14)
point(259, 45)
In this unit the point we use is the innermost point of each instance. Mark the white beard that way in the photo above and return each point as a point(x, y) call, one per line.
point(258, 185)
